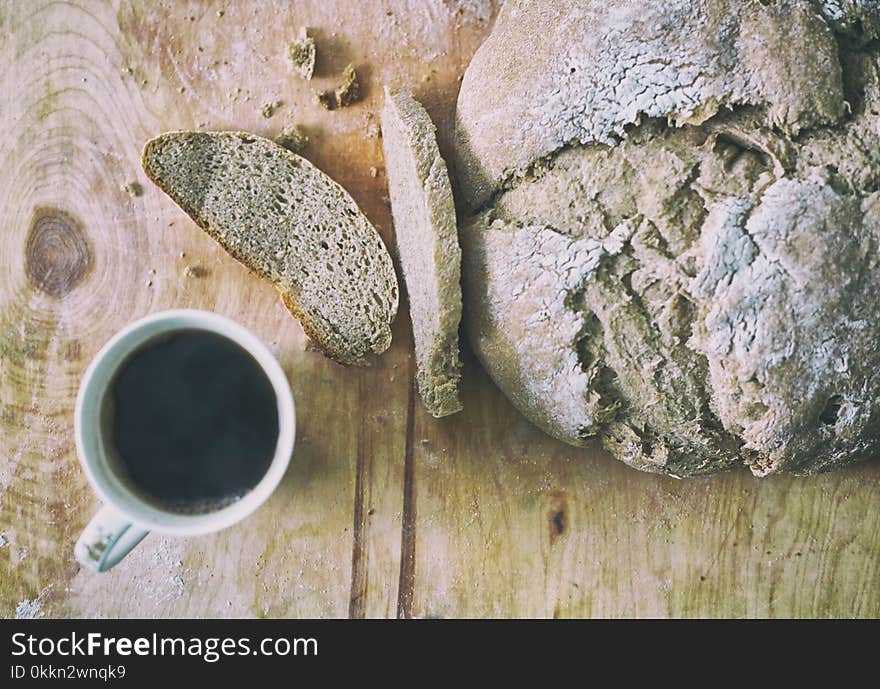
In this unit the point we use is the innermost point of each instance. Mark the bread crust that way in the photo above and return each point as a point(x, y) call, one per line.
point(679, 259)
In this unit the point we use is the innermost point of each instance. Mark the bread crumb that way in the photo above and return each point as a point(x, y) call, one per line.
point(374, 171)
point(133, 188)
point(348, 92)
point(293, 138)
point(302, 54)
point(196, 271)
point(269, 109)
point(326, 99)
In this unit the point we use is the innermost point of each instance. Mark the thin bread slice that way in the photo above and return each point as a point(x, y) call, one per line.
point(427, 241)
point(290, 223)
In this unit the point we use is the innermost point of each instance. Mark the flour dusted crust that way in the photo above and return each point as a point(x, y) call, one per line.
point(675, 233)
point(567, 72)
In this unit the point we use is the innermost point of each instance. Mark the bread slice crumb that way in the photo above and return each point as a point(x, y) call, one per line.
point(427, 242)
point(290, 223)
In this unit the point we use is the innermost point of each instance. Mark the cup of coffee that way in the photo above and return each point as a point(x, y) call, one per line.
point(184, 424)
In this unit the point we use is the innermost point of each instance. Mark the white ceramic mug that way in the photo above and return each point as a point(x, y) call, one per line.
point(127, 517)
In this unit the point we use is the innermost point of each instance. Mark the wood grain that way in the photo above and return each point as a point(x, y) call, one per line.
point(385, 511)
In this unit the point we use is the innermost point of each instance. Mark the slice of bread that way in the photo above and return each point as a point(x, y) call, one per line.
point(427, 240)
point(290, 223)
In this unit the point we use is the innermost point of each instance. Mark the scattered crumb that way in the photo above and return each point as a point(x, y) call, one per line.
point(269, 108)
point(326, 99)
point(348, 92)
point(293, 138)
point(374, 171)
point(133, 188)
point(220, 13)
point(149, 283)
point(152, 271)
point(302, 54)
point(183, 254)
point(196, 271)
point(182, 89)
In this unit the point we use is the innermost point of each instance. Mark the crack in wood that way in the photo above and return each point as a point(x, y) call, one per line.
point(406, 582)
point(358, 595)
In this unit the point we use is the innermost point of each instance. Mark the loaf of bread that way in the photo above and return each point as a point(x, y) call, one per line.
point(290, 223)
point(674, 231)
point(427, 243)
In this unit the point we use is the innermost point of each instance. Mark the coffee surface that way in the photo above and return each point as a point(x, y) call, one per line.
point(193, 421)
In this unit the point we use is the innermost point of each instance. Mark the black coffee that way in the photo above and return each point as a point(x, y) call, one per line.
point(192, 420)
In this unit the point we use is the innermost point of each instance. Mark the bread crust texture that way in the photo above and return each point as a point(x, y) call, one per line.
point(673, 230)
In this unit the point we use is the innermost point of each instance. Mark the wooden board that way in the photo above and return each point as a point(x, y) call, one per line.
point(385, 511)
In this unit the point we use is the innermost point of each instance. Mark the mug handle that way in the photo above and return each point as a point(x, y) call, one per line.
point(107, 538)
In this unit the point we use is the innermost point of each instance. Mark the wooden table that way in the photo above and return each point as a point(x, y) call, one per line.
point(385, 511)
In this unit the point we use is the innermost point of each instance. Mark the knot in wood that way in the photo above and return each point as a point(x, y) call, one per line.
point(57, 254)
